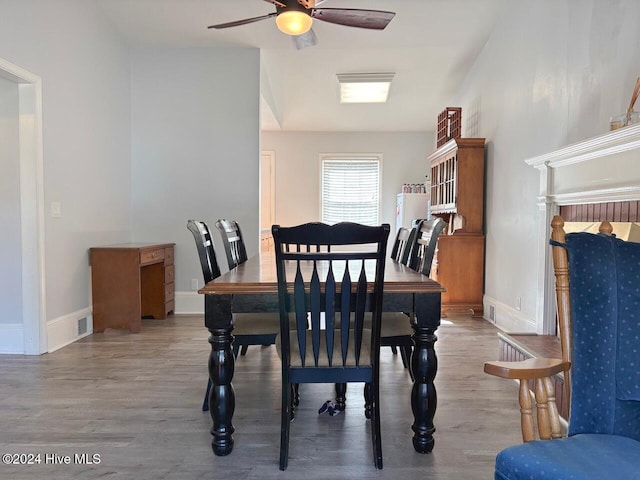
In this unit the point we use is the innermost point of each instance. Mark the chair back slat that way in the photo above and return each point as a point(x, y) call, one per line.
point(360, 304)
point(345, 313)
point(330, 312)
point(301, 312)
point(314, 294)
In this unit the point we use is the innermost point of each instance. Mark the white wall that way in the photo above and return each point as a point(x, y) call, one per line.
point(11, 248)
point(297, 154)
point(84, 68)
point(196, 152)
point(551, 73)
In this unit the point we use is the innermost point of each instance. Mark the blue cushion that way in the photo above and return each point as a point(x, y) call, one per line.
point(628, 355)
point(584, 456)
point(592, 280)
point(605, 307)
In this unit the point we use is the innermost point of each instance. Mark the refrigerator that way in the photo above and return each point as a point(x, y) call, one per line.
point(411, 206)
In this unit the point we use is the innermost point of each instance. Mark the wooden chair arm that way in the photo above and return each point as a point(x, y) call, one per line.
point(528, 369)
point(540, 370)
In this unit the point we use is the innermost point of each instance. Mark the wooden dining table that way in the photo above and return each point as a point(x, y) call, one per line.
point(252, 287)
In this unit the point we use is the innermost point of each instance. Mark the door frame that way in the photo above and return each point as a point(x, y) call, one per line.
point(34, 332)
point(271, 155)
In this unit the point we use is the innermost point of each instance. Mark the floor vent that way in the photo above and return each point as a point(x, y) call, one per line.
point(82, 326)
point(492, 313)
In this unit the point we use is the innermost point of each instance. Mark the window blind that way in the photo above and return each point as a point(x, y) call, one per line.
point(350, 190)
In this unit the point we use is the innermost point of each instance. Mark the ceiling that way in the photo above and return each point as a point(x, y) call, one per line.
point(430, 45)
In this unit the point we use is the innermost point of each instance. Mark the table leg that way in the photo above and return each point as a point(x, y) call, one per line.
point(222, 399)
point(424, 365)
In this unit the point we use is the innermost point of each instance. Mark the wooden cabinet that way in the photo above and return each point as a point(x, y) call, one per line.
point(457, 196)
point(131, 281)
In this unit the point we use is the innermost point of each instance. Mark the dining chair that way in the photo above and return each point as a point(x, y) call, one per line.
point(236, 253)
point(598, 305)
point(232, 242)
point(396, 329)
point(341, 285)
point(424, 244)
point(248, 328)
point(399, 252)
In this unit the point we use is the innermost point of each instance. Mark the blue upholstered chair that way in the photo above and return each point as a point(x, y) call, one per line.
point(598, 293)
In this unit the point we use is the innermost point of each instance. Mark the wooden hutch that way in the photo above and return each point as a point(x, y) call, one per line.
point(457, 196)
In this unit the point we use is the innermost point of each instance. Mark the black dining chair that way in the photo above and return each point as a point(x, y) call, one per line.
point(232, 242)
point(236, 253)
point(395, 331)
point(425, 244)
point(248, 328)
point(341, 285)
point(396, 327)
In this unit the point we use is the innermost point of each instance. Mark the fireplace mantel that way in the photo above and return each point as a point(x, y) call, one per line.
point(605, 168)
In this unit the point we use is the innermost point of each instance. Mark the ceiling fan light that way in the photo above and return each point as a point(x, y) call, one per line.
point(294, 22)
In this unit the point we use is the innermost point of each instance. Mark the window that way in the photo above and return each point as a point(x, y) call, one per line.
point(350, 188)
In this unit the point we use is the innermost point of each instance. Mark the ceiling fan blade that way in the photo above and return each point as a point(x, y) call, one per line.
point(354, 17)
point(243, 22)
point(305, 40)
point(276, 3)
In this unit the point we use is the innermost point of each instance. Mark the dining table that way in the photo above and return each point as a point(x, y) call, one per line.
point(253, 287)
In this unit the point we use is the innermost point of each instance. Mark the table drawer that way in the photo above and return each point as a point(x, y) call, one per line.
point(169, 290)
point(151, 256)
point(169, 273)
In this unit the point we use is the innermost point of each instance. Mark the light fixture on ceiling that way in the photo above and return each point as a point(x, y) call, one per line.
point(294, 22)
point(364, 87)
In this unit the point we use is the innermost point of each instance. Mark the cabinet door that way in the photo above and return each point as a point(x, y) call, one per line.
point(460, 269)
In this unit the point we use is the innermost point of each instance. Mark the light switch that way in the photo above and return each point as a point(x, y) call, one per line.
point(56, 210)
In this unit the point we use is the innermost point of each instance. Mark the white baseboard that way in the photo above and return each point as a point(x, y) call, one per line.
point(506, 317)
point(63, 330)
point(189, 303)
point(12, 338)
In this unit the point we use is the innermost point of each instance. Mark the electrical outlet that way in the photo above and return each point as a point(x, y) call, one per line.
point(194, 284)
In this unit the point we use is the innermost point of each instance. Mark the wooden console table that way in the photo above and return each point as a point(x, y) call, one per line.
point(130, 281)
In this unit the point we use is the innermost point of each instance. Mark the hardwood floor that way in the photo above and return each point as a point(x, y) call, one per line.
point(135, 400)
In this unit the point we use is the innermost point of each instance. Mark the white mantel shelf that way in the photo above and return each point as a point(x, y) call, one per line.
point(611, 143)
point(601, 169)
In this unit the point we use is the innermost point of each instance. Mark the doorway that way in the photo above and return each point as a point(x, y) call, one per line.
point(267, 199)
point(25, 332)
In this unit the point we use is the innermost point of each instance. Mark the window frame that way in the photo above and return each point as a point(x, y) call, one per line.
point(377, 157)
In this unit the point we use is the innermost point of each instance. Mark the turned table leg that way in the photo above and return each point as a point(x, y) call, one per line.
point(424, 365)
point(222, 400)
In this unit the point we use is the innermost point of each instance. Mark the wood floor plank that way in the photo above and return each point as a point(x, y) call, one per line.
point(135, 400)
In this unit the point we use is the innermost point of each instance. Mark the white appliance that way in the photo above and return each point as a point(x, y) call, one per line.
point(410, 206)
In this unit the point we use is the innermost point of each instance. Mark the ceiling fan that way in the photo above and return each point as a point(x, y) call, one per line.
point(294, 17)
